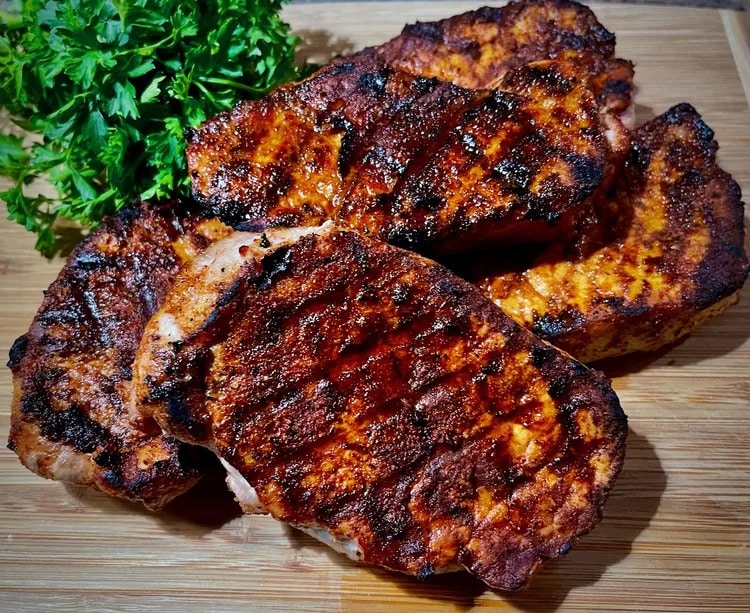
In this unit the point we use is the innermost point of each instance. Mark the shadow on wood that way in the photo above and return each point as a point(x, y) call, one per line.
point(320, 46)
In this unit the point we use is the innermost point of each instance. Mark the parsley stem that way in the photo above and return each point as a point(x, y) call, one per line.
point(233, 84)
point(207, 93)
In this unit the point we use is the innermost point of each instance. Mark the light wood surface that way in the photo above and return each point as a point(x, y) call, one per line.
point(676, 533)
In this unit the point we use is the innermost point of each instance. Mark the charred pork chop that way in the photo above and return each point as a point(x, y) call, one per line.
point(477, 49)
point(652, 262)
point(368, 396)
point(72, 369)
point(417, 162)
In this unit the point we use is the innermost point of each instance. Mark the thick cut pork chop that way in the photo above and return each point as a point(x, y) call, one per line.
point(72, 369)
point(478, 48)
point(660, 256)
point(367, 395)
point(413, 161)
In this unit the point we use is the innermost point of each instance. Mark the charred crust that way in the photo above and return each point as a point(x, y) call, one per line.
point(348, 139)
point(558, 387)
point(272, 265)
point(540, 207)
point(423, 85)
point(342, 68)
point(550, 327)
point(375, 83)
point(231, 212)
point(89, 261)
point(639, 157)
point(587, 172)
point(17, 351)
point(516, 175)
point(619, 87)
point(542, 354)
point(547, 76)
point(70, 426)
point(129, 213)
point(108, 459)
point(505, 104)
point(425, 30)
point(179, 408)
point(407, 238)
point(678, 113)
point(425, 572)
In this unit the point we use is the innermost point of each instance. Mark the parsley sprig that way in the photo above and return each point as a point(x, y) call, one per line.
point(110, 86)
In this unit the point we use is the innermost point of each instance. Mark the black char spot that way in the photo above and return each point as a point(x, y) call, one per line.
point(346, 151)
point(90, 260)
point(541, 354)
point(503, 102)
point(342, 68)
point(425, 572)
point(17, 350)
point(558, 387)
point(272, 265)
point(70, 426)
point(586, 171)
point(375, 82)
point(517, 176)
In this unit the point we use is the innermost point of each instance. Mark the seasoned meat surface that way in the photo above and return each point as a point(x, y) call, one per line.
point(476, 48)
point(370, 397)
point(72, 369)
point(416, 162)
point(658, 257)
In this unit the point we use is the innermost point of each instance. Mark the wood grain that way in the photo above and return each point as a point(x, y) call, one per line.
point(676, 533)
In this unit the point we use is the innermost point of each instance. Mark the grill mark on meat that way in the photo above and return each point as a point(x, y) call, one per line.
point(330, 450)
point(70, 427)
point(68, 420)
point(408, 132)
point(656, 257)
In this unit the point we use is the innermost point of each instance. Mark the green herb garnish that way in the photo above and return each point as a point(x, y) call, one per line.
point(111, 86)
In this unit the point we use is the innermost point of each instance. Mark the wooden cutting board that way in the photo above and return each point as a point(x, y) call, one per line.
point(676, 533)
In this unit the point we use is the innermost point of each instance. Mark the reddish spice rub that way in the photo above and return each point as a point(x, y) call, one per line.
point(657, 257)
point(366, 393)
point(72, 369)
point(415, 161)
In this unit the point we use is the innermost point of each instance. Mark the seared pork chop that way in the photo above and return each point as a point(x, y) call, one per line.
point(414, 161)
point(72, 369)
point(370, 397)
point(660, 256)
point(478, 48)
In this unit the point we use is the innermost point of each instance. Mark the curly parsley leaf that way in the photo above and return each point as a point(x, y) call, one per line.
point(111, 86)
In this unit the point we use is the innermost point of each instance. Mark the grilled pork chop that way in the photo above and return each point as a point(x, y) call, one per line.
point(368, 396)
point(477, 49)
point(417, 162)
point(651, 263)
point(72, 369)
